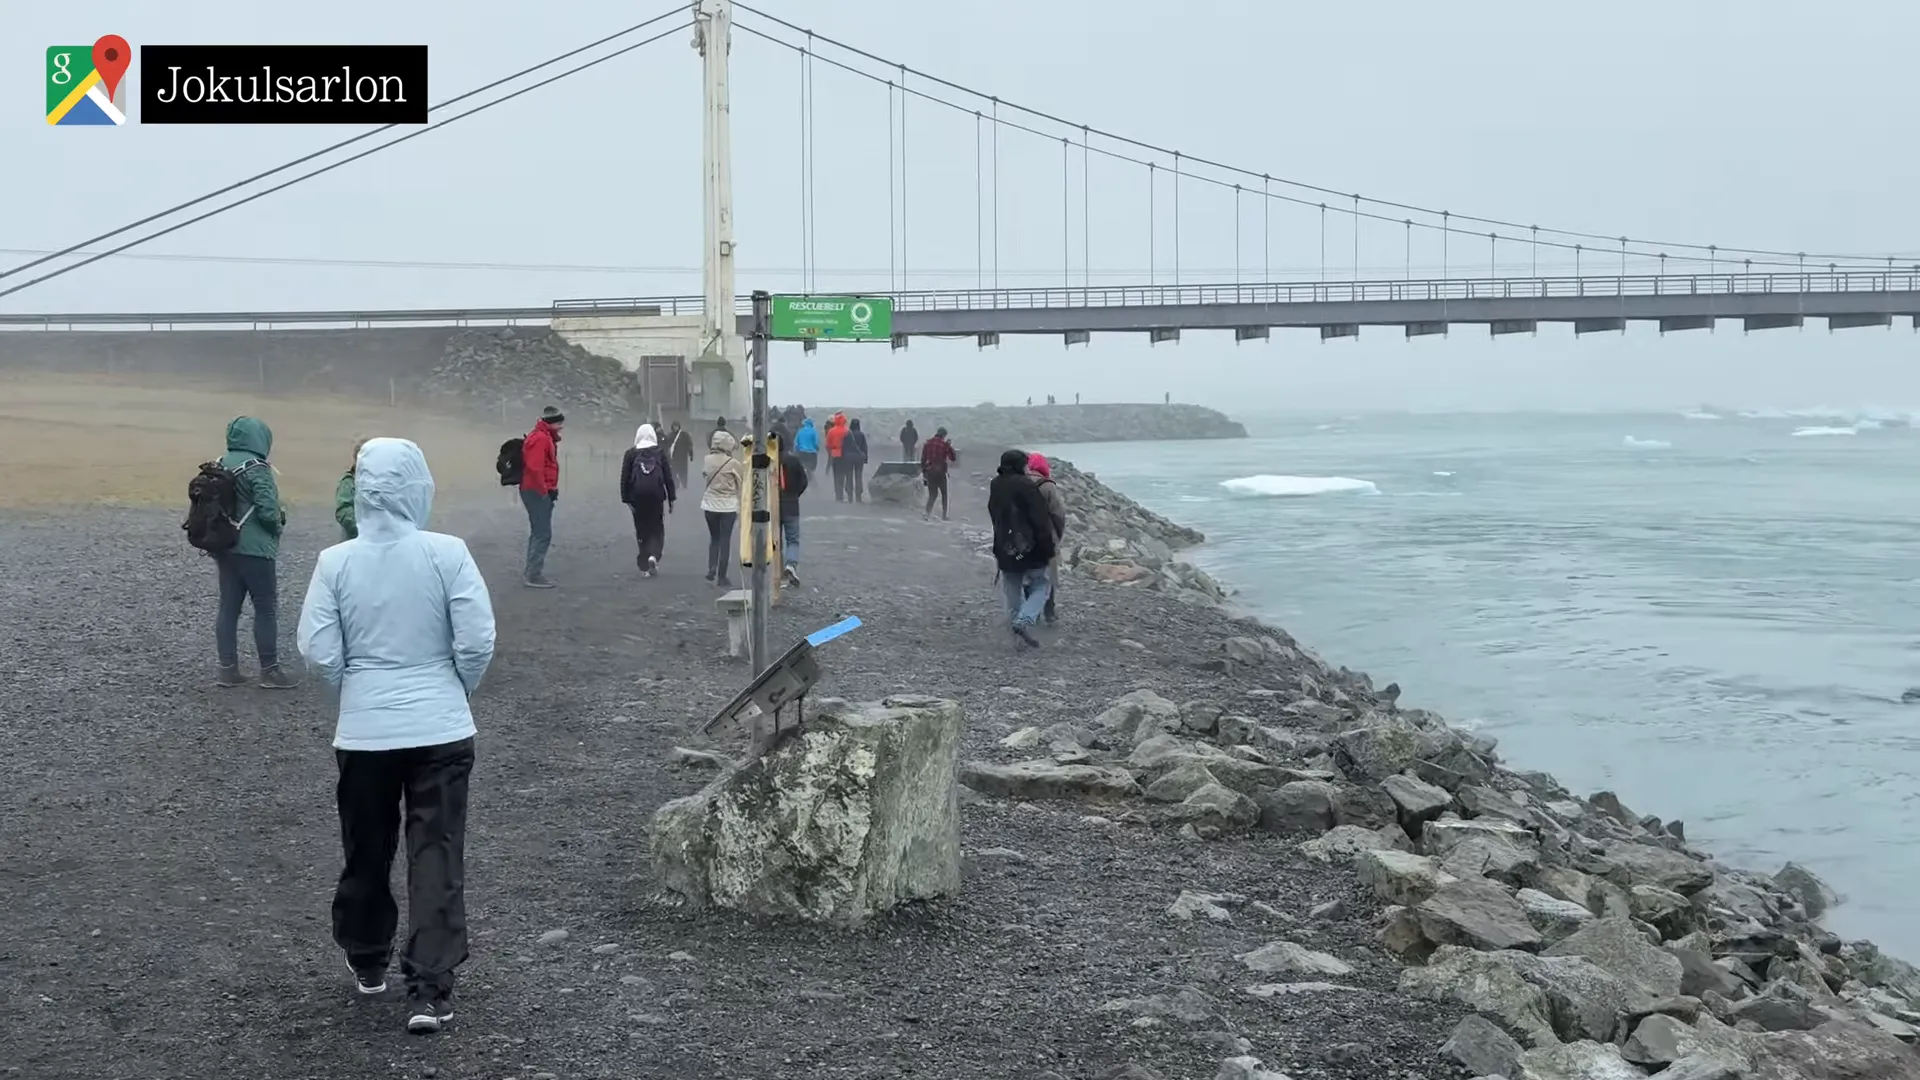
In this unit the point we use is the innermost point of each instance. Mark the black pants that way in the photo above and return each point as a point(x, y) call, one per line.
point(811, 460)
point(243, 576)
point(680, 467)
point(856, 480)
point(937, 489)
point(719, 541)
point(649, 528)
point(432, 780)
point(839, 467)
point(906, 451)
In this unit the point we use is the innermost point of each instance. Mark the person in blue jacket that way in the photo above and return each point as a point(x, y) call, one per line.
point(806, 443)
point(400, 623)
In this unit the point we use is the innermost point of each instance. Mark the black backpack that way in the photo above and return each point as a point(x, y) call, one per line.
point(1014, 534)
point(647, 478)
point(511, 463)
point(213, 500)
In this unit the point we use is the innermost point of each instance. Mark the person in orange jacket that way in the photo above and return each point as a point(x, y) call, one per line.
point(836, 444)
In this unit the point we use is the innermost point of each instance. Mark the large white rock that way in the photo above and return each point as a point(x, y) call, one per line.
point(851, 816)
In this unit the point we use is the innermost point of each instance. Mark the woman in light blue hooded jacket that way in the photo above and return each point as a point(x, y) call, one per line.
point(399, 621)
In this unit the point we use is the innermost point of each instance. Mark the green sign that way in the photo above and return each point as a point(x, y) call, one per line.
point(834, 318)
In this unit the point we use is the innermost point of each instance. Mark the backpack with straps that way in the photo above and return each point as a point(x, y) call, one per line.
point(647, 478)
point(1013, 534)
point(511, 464)
point(213, 501)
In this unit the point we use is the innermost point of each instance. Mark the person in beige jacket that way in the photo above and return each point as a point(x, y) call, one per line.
point(725, 477)
point(1042, 473)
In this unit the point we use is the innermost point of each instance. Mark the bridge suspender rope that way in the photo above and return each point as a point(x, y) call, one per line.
point(903, 177)
point(893, 249)
point(979, 200)
point(344, 161)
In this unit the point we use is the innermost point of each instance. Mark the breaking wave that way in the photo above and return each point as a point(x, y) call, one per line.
point(1296, 486)
point(1801, 433)
point(1646, 444)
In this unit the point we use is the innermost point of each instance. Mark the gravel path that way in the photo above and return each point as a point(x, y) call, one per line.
point(167, 851)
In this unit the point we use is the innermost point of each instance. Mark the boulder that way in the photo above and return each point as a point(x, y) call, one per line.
point(1287, 958)
point(1245, 652)
point(1839, 1050)
point(1644, 864)
point(1480, 801)
point(1136, 717)
point(1664, 910)
point(1779, 1008)
point(1700, 974)
point(1577, 1061)
point(1586, 1002)
point(1345, 841)
point(1387, 747)
point(1501, 860)
point(1659, 1041)
point(1488, 984)
point(1614, 946)
point(1301, 806)
point(1803, 885)
point(1187, 1005)
point(1399, 877)
point(1363, 805)
point(1556, 919)
point(841, 820)
point(1443, 834)
point(1042, 778)
point(1478, 1044)
point(1564, 883)
point(1476, 913)
point(1181, 782)
point(1416, 800)
point(1217, 806)
point(1213, 907)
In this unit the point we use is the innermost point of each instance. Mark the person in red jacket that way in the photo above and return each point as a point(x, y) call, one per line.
point(540, 490)
point(836, 445)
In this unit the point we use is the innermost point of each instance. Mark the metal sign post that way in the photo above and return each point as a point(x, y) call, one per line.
point(759, 576)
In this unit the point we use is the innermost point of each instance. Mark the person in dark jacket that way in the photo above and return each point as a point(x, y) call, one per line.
point(540, 490)
point(250, 569)
point(793, 484)
point(1023, 543)
point(647, 487)
point(343, 497)
point(935, 457)
point(679, 444)
point(854, 452)
point(909, 441)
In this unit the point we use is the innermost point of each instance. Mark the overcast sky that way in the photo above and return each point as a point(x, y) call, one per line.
point(1711, 122)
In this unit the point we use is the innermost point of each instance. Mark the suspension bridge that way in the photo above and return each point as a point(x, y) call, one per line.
point(1594, 281)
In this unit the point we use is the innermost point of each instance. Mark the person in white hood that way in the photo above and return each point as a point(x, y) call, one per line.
point(399, 621)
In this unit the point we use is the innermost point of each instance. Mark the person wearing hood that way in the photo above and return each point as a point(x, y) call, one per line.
point(935, 458)
point(909, 440)
point(793, 484)
point(1022, 543)
point(853, 449)
point(806, 443)
point(343, 497)
point(726, 478)
point(400, 623)
point(1042, 471)
point(250, 569)
point(647, 487)
point(836, 445)
point(679, 443)
point(540, 490)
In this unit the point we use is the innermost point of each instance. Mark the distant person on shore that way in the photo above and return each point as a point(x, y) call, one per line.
point(854, 450)
point(1042, 471)
point(725, 478)
point(540, 491)
point(400, 623)
point(1076, 399)
point(680, 452)
point(1022, 543)
point(343, 497)
point(935, 458)
point(793, 484)
point(1168, 400)
point(646, 486)
point(836, 443)
point(909, 441)
point(806, 443)
point(249, 564)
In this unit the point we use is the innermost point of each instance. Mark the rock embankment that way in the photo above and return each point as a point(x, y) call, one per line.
point(514, 371)
point(1589, 941)
point(984, 430)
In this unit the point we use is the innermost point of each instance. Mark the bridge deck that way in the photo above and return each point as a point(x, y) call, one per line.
point(1847, 298)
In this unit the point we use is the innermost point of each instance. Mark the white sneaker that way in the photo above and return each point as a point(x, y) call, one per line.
point(427, 1017)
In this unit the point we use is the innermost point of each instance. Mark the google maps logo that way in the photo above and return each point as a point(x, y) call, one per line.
point(85, 87)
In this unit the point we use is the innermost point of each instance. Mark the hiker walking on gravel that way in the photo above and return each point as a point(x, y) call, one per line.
point(247, 555)
point(680, 452)
point(793, 484)
point(725, 477)
point(853, 450)
point(935, 457)
point(1042, 471)
point(806, 443)
point(909, 441)
point(540, 491)
point(836, 443)
point(400, 623)
point(343, 497)
point(1022, 543)
point(646, 486)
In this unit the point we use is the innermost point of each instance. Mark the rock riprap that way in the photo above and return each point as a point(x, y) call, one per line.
point(512, 372)
point(844, 819)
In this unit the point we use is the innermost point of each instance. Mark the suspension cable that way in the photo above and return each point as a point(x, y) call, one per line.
point(342, 144)
point(1356, 238)
point(1066, 213)
point(805, 254)
point(892, 244)
point(813, 183)
point(1176, 219)
point(218, 210)
point(979, 201)
point(996, 193)
point(1323, 241)
point(903, 177)
point(1151, 238)
point(1086, 213)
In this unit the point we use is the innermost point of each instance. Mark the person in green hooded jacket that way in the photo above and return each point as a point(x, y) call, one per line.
point(249, 570)
point(343, 497)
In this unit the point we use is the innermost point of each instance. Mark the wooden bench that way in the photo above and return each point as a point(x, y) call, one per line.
point(737, 606)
